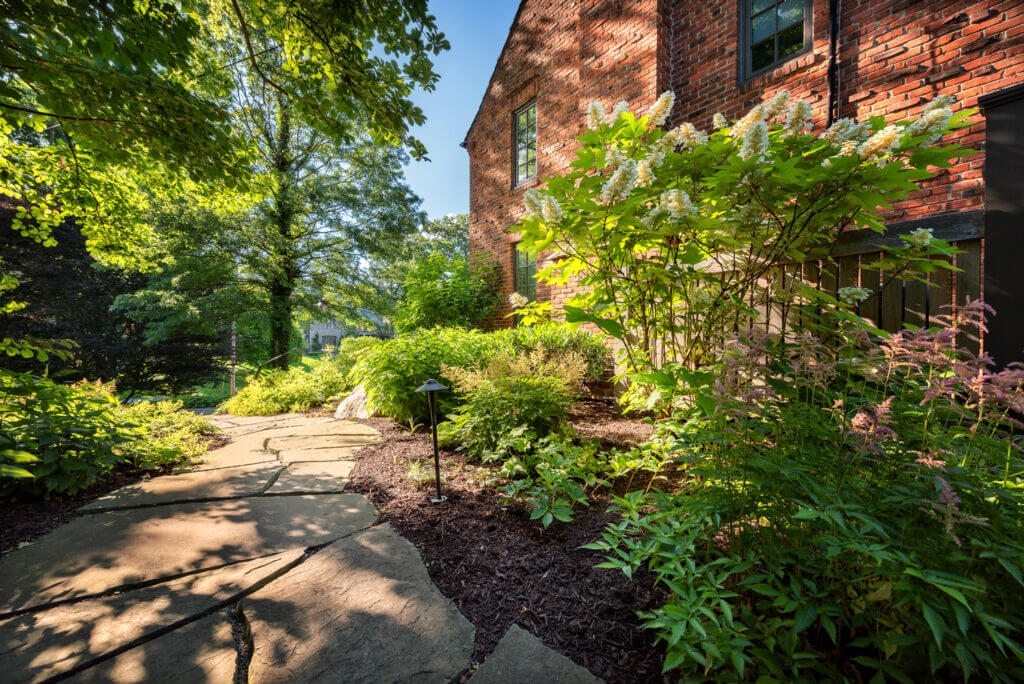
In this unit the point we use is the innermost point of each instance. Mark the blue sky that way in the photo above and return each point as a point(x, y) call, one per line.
point(476, 30)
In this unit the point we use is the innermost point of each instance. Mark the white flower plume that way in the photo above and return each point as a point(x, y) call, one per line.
point(661, 109)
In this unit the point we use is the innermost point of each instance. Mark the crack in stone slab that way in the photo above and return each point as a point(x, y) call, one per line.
point(241, 631)
point(219, 606)
point(125, 588)
point(212, 499)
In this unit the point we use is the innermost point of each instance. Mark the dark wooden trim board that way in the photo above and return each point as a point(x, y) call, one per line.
point(967, 225)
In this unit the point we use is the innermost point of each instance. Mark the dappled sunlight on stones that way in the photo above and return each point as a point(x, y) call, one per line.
point(361, 610)
point(319, 477)
point(203, 651)
point(40, 645)
point(204, 484)
point(97, 553)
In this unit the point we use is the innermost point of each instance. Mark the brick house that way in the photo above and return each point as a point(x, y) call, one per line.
point(849, 58)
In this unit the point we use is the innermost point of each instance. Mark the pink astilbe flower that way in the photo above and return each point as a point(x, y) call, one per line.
point(946, 508)
point(870, 426)
point(930, 460)
point(740, 388)
point(813, 363)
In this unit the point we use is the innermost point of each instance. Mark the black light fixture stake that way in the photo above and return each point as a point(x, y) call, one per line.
point(430, 387)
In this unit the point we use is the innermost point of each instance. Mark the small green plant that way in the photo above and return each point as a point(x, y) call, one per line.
point(420, 476)
point(554, 476)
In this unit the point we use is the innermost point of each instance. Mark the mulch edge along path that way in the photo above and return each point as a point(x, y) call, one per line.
point(500, 568)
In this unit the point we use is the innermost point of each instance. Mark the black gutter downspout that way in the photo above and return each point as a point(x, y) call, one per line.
point(833, 62)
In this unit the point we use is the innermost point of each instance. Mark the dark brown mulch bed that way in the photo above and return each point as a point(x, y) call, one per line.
point(24, 519)
point(500, 568)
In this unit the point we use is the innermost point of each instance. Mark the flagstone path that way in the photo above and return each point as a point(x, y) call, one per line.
point(253, 565)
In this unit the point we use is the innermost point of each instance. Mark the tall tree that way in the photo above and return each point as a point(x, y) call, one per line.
point(97, 98)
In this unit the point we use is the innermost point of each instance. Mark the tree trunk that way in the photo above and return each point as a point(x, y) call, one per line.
point(280, 325)
point(283, 286)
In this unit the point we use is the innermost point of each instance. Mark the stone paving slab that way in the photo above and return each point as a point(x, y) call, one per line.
point(315, 477)
point(203, 484)
point(309, 442)
point(37, 646)
point(361, 610)
point(522, 657)
point(200, 652)
point(97, 553)
point(316, 455)
point(235, 454)
point(339, 427)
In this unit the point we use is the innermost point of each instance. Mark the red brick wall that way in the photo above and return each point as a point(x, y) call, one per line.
point(566, 54)
point(894, 56)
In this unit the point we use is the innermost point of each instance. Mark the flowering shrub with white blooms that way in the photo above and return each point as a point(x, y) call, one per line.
point(845, 504)
point(650, 216)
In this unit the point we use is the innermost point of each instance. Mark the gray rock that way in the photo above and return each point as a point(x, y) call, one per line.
point(97, 553)
point(203, 484)
point(316, 477)
point(361, 610)
point(520, 657)
point(38, 646)
point(355, 405)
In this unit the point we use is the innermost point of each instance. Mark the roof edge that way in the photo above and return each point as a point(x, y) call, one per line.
point(511, 29)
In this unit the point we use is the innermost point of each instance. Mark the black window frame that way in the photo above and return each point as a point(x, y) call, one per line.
point(530, 269)
point(516, 178)
point(746, 16)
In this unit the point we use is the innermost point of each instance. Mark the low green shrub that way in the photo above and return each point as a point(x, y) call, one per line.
point(299, 389)
point(509, 391)
point(165, 433)
point(553, 475)
point(558, 339)
point(59, 439)
point(392, 371)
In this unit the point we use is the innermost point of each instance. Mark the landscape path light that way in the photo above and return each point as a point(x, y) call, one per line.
point(430, 388)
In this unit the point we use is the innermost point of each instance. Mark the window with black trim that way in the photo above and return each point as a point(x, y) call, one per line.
point(773, 31)
point(525, 152)
point(525, 269)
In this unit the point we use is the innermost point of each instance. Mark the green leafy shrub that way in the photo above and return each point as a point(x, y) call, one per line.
point(392, 371)
point(556, 340)
point(443, 291)
point(506, 391)
point(299, 389)
point(165, 433)
point(59, 439)
point(854, 511)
